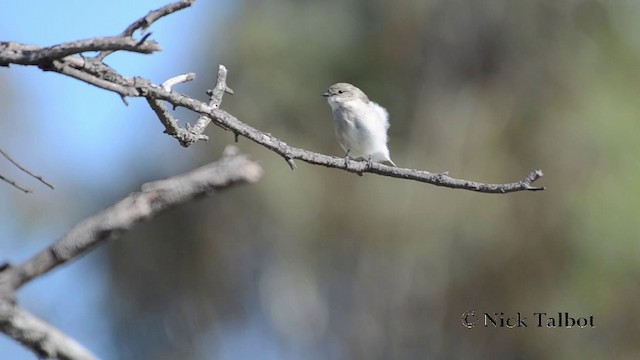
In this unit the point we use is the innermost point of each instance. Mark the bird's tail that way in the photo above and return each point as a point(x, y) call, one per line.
point(391, 162)
point(383, 157)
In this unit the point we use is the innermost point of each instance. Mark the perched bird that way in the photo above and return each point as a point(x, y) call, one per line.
point(361, 125)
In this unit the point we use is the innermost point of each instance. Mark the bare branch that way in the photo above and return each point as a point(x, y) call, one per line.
point(146, 21)
point(66, 68)
point(215, 99)
point(17, 164)
point(169, 84)
point(191, 134)
point(154, 15)
point(185, 136)
point(155, 197)
point(41, 338)
point(15, 184)
point(24, 54)
point(359, 167)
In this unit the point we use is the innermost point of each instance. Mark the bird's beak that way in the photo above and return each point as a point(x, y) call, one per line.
point(326, 93)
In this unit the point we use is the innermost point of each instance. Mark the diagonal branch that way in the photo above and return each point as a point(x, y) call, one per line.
point(35, 334)
point(17, 164)
point(15, 184)
point(154, 15)
point(155, 197)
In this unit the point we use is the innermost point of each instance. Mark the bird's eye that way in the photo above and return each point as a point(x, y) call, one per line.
point(340, 91)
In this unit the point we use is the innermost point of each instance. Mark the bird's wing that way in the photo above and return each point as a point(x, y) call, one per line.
point(382, 113)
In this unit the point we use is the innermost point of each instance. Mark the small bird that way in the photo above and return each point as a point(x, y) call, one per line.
point(361, 125)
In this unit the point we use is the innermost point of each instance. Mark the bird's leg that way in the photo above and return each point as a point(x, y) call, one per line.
point(369, 162)
point(346, 158)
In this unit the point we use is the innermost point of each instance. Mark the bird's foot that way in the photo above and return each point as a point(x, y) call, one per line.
point(369, 163)
point(346, 159)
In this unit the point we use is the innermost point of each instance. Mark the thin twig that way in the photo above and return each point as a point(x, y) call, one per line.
point(15, 184)
point(144, 22)
point(154, 15)
point(19, 166)
point(170, 83)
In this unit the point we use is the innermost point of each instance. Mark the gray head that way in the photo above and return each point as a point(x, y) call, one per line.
point(343, 92)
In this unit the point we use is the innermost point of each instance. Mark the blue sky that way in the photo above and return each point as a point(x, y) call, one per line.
point(83, 139)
